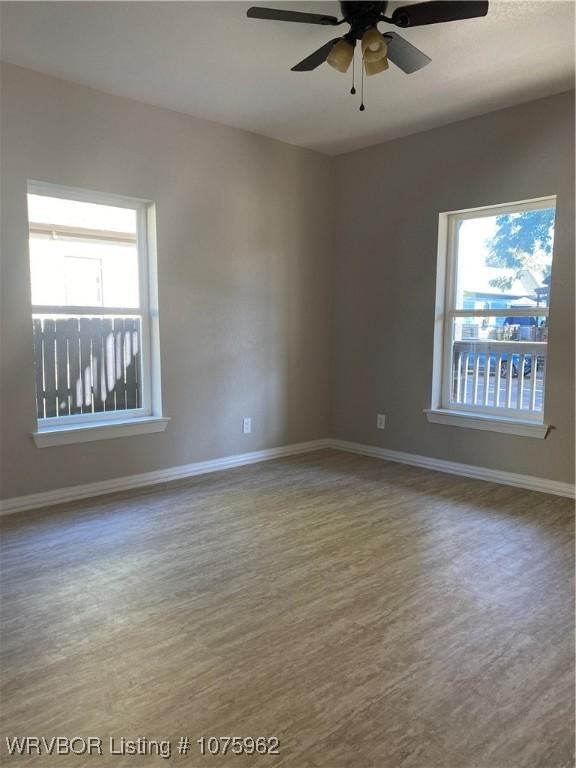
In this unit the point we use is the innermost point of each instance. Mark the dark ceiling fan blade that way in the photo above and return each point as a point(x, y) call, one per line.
point(316, 58)
point(274, 14)
point(406, 56)
point(437, 11)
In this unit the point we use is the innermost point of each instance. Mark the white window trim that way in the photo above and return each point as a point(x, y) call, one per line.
point(489, 423)
point(149, 418)
point(499, 420)
point(88, 433)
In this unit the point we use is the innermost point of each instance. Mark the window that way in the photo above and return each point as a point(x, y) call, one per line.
point(493, 296)
point(93, 311)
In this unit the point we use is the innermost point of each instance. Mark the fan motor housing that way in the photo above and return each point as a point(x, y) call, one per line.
point(361, 16)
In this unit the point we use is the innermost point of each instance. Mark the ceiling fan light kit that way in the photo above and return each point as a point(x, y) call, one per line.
point(373, 45)
point(374, 67)
point(341, 55)
point(374, 51)
point(377, 48)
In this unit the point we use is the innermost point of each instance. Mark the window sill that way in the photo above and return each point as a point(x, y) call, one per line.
point(87, 433)
point(490, 423)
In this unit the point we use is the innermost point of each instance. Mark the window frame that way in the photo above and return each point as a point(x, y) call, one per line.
point(147, 311)
point(442, 409)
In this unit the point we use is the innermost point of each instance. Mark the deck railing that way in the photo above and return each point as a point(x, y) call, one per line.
point(502, 376)
point(86, 364)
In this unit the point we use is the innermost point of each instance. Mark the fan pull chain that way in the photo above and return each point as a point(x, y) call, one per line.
point(362, 107)
point(353, 89)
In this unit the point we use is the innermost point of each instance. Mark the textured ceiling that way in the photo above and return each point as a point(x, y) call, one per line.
point(207, 59)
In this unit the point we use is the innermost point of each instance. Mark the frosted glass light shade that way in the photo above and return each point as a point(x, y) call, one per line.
point(374, 46)
point(340, 57)
point(373, 67)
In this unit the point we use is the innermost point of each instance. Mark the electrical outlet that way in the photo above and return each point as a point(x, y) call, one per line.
point(381, 421)
point(246, 425)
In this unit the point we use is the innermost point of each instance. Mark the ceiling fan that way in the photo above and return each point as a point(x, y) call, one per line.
point(377, 48)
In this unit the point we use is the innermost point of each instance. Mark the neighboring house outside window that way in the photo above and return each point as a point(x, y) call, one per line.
point(490, 350)
point(94, 315)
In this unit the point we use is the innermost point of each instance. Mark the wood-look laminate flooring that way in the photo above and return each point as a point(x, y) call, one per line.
point(368, 614)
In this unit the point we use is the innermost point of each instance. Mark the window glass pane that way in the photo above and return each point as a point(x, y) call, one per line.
point(82, 254)
point(86, 364)
point(504, 261)
point(75, 213)
point(499, 363)
point(83, 281)
point(508, 329)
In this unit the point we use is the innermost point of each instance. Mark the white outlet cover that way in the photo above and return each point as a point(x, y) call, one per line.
point(247, 425)
point(381, 421)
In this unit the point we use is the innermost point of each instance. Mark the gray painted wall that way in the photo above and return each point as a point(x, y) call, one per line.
point(266, 309)
point(244, 231)
point(389, 199)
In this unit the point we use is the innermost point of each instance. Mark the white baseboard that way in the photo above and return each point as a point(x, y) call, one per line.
point(455, 468)
point(61, 495)
point(73, 493)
